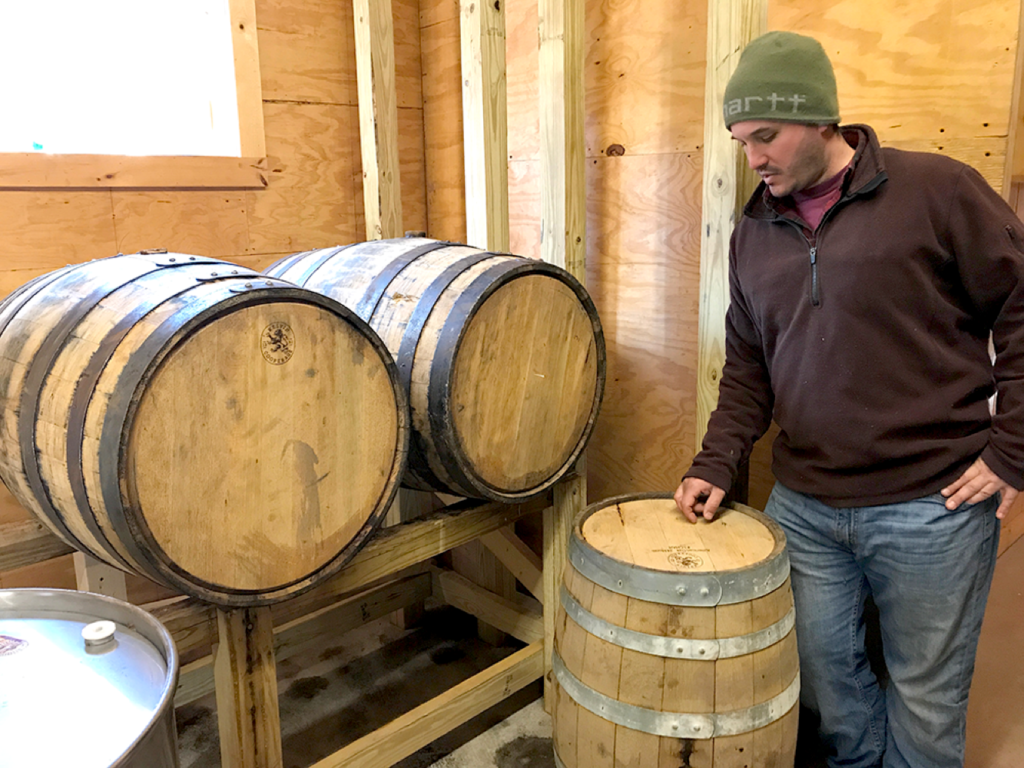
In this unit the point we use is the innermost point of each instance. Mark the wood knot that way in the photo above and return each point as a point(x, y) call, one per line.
point(615, 150)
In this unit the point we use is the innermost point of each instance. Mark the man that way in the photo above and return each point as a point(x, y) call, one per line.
point(864, 286)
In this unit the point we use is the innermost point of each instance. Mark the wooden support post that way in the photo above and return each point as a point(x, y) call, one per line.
point(485, 129)
point(248, 80)
point(245, 676)
point(378, 117)
point(409, 505)
point(515, 555)
point(474, 561)
point(563, 242)
point(91, 575)
point(727, 183)
point(520, 616)
point(485, 123)
point(298, 635)
point(1013, 171)
point(562, 145)
point(570, 498)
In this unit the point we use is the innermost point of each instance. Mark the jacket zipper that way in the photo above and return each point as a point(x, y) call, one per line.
point(815, 297)
point(812, 246)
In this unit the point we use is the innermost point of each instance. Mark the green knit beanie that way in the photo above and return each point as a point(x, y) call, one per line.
point(783, 76)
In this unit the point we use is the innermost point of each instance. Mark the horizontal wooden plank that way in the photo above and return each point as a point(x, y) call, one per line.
point(417, 728)
point(45, 230)
point(196, 678)
point(193, 625)
point(26, 170)
point(521, 616)
point(204, 222)
point(27, 542)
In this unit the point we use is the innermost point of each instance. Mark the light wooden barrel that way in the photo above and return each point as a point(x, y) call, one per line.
point(503, 357)
point(674, 642)
point(226, 434)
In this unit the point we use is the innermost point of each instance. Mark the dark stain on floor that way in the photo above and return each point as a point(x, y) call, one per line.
point(306, 687)
point(526, 752)
point(447, 654)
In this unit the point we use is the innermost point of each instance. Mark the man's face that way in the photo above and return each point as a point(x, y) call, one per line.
point(789, 157)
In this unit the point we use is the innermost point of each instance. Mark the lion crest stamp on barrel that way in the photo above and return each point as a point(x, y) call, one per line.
point(277, 343)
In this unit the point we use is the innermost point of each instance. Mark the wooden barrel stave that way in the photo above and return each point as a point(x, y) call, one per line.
point(70, 384)
point(674, 685)
point(420, 296)
point(125, 338)
point(32, 343)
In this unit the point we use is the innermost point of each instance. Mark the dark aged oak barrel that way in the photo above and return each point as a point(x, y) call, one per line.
point(228, 435)
point(503, 357)
point(674, 642)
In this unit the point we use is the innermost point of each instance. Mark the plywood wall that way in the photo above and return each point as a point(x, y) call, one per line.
point(314, 199)
point(933, 75)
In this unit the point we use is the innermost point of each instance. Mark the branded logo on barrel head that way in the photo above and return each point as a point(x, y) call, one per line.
point(278, 343)
point(683, 557)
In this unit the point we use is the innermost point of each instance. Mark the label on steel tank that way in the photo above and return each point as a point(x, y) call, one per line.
point(10, 645)
point(277, 343)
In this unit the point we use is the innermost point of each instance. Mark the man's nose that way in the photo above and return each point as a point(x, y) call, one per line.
point(755, 158)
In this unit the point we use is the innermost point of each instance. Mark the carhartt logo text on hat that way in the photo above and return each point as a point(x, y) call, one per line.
point(747, 104)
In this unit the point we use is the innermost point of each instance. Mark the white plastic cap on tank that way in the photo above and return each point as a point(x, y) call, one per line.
point(98, 634)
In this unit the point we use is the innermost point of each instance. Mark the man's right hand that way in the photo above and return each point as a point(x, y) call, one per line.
point(698, 497)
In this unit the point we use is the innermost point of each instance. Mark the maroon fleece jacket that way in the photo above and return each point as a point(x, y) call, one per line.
point(867, 339)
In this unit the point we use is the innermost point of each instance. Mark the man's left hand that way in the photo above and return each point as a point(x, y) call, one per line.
point(978, 483)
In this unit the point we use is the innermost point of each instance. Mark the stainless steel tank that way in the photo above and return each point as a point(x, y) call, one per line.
point(85, 681)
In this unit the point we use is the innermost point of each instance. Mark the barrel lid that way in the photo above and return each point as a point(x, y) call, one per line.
point(652, 533)
point(643, 547)
point(81, 677)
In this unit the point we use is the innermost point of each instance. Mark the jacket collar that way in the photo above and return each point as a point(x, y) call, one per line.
point(868, 173)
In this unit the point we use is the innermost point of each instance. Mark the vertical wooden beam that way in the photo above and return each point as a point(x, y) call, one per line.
point(245, 677)
point(1015, 130)
point(562, 146)
point(409, 505)
point(563, 242)
point(727, 183)
point(91, 575)
point(485, 142)
point(378, 117)
point(485, 123)
point(248, 81)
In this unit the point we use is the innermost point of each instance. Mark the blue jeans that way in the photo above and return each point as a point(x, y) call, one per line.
point(928, 571)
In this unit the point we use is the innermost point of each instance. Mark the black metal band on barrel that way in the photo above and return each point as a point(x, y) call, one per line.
point(22, 295)
point(318, 262)
point(418, 463)
point(133, 530)
point(113, 435)
point(469, 301)
point(378, 286)
point(39, 368)
point(439, 393)
point(86, 385)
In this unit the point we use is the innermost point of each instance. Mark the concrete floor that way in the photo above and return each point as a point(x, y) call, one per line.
point(337, 693)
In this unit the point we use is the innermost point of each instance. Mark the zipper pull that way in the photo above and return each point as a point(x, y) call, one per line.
point(815, 296)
